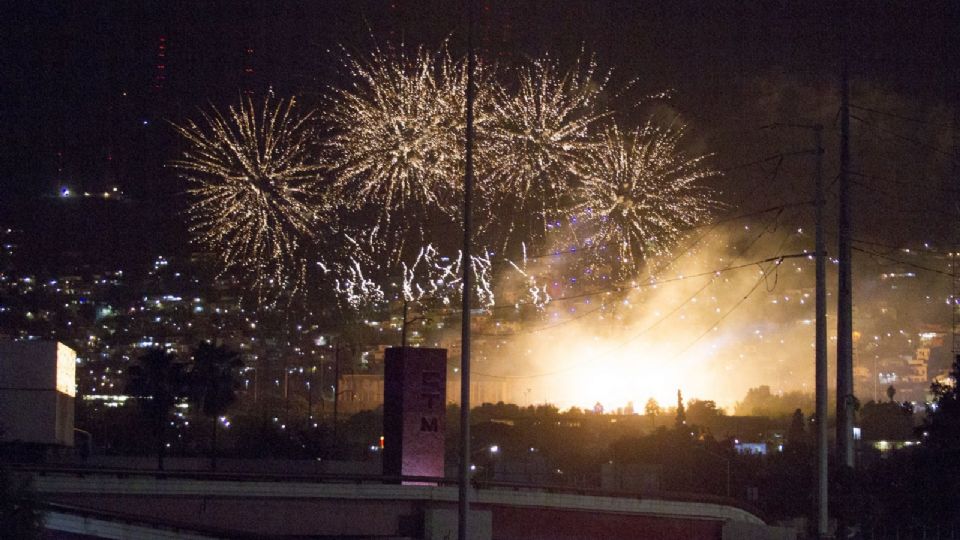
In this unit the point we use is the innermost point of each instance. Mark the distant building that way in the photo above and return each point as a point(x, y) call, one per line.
point(37, 392)
point(748, 448)
point(918, 366)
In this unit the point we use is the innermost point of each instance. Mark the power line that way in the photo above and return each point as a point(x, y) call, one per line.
point(772, 176)
point(899, 116)
point(905, 263)
point(727, 313)
point(923, 251)
point(680, 306)
point(670, 263)
point(952, 192)
point(921, 144)
point(654, 283)
point(900, 198)
point(778, 156)
point(884, 178)
point(776, 261)
point(579, 250)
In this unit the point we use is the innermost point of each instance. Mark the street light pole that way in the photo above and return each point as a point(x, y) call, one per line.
point(845, 289)
point(463, 499)
point(821, 345)
point(336, 393)
point(403, 328)
point(820, 355)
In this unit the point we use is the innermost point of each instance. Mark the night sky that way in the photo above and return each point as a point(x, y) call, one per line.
point(86, 105)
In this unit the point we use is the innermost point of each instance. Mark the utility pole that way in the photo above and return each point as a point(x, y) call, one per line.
point(313, 368)
point(844, 289)
point(953, 303)
point(286, 392)
point(820, 356)
point(955, 291)
point(323, 408)
point(256, 382)
point(403, 328)
point(821, 345)
point(463, 499)
point(336, 391)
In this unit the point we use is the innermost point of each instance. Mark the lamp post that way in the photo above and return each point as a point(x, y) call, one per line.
point(726, 459)
point(820, 332)
point(463, 496)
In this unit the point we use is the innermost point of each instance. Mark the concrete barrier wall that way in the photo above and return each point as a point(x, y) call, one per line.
point(358, 509)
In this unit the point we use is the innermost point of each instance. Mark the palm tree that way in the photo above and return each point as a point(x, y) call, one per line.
point(213, 382)
point(157, 382)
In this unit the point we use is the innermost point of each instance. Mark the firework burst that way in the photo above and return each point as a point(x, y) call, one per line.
point(396, 144)
point(255, 188)
point(540, 134)
point(641, 192)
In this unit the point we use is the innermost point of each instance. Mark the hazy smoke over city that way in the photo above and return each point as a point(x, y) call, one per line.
point(713, 322)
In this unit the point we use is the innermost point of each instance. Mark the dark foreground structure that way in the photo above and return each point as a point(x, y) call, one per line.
point(145, 505)
point(413, 411)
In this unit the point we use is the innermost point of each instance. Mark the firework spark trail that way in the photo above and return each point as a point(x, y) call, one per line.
point(417, 286)
point(356, 289)
point(255, 185)
point(640, 192)
point(539, 297)
point(430, 278)
point(539, 136)
point(435, 277)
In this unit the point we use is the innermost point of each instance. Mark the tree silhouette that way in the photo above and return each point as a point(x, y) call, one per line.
point(681, 419)
point(797, 433)
point(920, 487)
point(653, 410)
point(157, 382)
point(212, 384)
point(761, 401)
point(942, 424)
point(702, 412)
